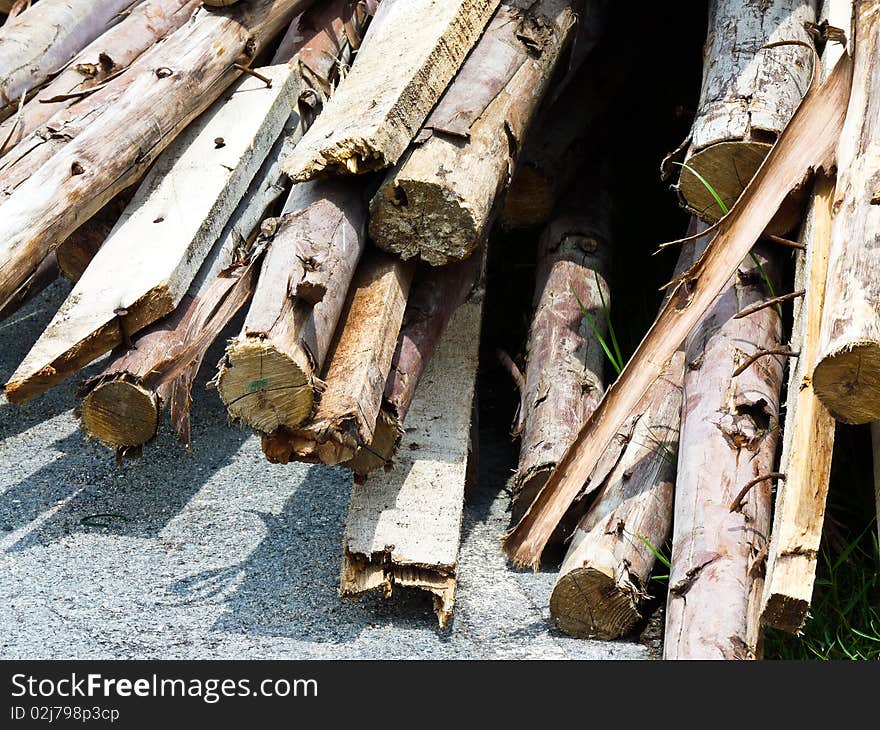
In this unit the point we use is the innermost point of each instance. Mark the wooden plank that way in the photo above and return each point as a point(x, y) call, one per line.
point(404, 526)
point(148, 262)
point(438, 203)
point(380, 105)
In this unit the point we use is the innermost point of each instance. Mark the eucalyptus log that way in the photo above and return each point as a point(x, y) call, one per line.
point(564, 361)
point(438, 203)
point(806, 144)
point(103, 59)
point(604, 578)
point(152, 255)
point(47, 272)
point(808, 433)
point(165, 89)
point(436, 294)
point(847, 373)
point(410, 54)
point(404, 525)
point(37, 44)
point(749, 94)
point(357, 368)
point(729, 430)
point(268, 377)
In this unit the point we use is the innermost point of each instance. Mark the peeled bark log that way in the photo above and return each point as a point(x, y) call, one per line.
point(166, 88)
point(604, 578)
point(728, 439)
point(439, 202)
point(749, 94)
point(563, 382)
point(404, 525)
point(39, 43)
point(105, 58)
point(847, 374)
point(381, 105)
point(268, 376)
point(436, 294)
point(46, 273)
point(130, 285)
point(357, 368)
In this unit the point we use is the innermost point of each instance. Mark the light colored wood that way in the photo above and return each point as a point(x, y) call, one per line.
point(268, 377)
point(565, 362)
point(165, 89)
point(404, 526)
point(435, 296)
point(604, 578)
point(108, 55)
point(749, 93)
point(847, 373)
point(357, 368)
point(147, 264)
point(807, 143)
point(439, 202)
point(381, 104)
point(39, 43)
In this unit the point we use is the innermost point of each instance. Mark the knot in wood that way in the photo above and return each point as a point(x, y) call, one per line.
point(163, 72)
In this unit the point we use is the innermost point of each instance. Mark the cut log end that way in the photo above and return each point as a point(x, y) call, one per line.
point(848, 383)
point(120, 414)
point(785, 613)
point(586, 603)
point(530, 200)
point(380, 452)
point(264, 388)
point(352, 158)
point(283, 446)
point(407, 217)
point(525, 488)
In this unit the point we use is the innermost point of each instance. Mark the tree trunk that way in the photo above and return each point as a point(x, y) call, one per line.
point(436, 294)
point(847, 373)
point(166, 89)
point(807, 143)
point(402, 530)
point(438, 203)
point(129, 285)
point(604, 577)
point(357, 368)
point(563, 380)
point(728, 439)
point(40, 43)
point(749, 93)
point(808, 434)
point(268, 376)
point(105, 58)
point(380, 106)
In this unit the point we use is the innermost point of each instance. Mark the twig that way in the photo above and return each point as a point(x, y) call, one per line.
point(769, 303)
point(512, 368)
point(762, 353)
point(784, 242)
point(256, 74)
point(737, 502)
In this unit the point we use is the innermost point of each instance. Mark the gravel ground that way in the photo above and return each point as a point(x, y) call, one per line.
point(217, 554)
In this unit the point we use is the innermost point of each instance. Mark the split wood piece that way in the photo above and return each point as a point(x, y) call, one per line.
point(729, 434)
point(41, 42)
point(604, 578)
point(268, 377)
point(130, 284)
point(165, 89)
point(106, 57)
point(404, 525)
point(749, 93)
point(808, 435)
point(847, 373)
point(76, 252)
point(807, 143)
point(563, 379)
point(436, 294)
point(357, 368)
point(439, 202)
point(380, 106)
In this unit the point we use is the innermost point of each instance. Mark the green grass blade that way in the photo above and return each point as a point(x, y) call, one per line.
point(598, 334)
point(657, 554)
point(724, 209)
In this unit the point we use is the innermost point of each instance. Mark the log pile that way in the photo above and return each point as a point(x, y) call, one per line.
point(181, 161)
